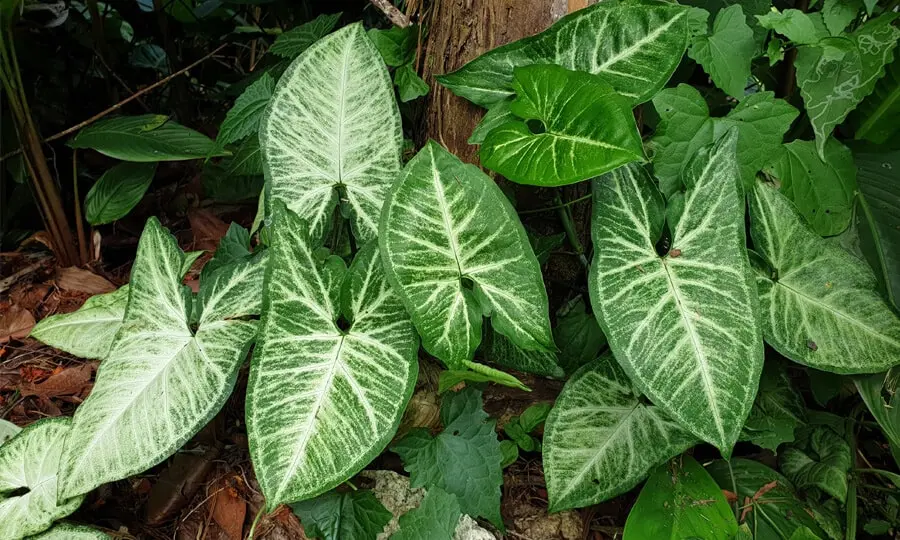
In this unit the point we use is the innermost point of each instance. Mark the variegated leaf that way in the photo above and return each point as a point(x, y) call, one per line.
point(819, 303)
point(88, 332)
point(455, 250)
point(332, 133)
point(324, 399)
point(635, 46)
point(600, 439)
point(29, 462)
point(67, 531)
point(684, 325)
point(161, 381)
point(234, 290)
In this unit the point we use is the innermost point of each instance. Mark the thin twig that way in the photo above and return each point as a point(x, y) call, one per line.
point(120, 104)
point(391, 12)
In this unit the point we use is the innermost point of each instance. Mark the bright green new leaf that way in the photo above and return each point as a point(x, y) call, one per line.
point(775, 51)
point(837, 14)
point(634, 46)
point(332, 134)
point(28, 479)
point(409, 85)
point(585, 129)
point(450, 378)
point(534, 416)
point(435, 518)
point(775, 511)
point(879, 208)
point(680, 500)
point(463, 460)
point(509, 452)
point(819, 304)
point(822, 190)
point(500, 350)
point(726, 53)
point(147, 138)
point(162, 380)
point(296, 40)
point(455, 251)
point(578, 335)
point(66, 531)
point(336, 516)
point(684, 326)
point(685, 127)
point(100, 318)
point(8, 430)
point(396, 45)
point(797, 26)
point(601, 439)
point(878, 116)
point(244, 116)
point(324, 396)
point(117, 192)
point(777, 411)
point(820, 458)
point(832, 85)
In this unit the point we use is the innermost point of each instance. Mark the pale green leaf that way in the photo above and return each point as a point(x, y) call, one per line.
point(726, 53)
point(332, 133)
point(409, 85)
point(396, 45)
point(819, 303)
point(354, 515)
point(681, 500)
point(797, 26)
point(8, 430)
point(601, 439)
point(822, 190)
point(497, 115)
point(147, 138)
point(837, 14)
point(88, 332)
point(803, 533)
point(322, 401)
point(161, 381)
point(66, 531)
point(578, 335)
point(832, 85)
point(455, 251)
point(500, 350)
point(878, 116)
point(684, 326)
point(296, 40)
point(879, 209)
point(244, 116)
point(28, 463)
point(777, 411)
point(635, 46)
point(820, 458)
point(435, 518)
point(450, 378)
point(586, 129)
point(117, 192)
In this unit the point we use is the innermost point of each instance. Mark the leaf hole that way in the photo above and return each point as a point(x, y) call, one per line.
point(536, 126)
point(467, 283)
point(343, 324)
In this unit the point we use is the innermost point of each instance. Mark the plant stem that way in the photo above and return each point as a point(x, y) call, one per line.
point(79, 222)
point(259, 515)
point(851, 485)
point(565, 215)
point(554, 207)
point(391, 12)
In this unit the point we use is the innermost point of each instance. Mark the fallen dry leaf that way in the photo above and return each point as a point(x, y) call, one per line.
point(765, 489)
point(208, 229)
point(71, 381)
point(15, 323)
point(730, 496)
point(229, 512)
point(81, 280)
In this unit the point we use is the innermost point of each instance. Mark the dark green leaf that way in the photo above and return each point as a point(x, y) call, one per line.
point(877, 527)
point(296, 40)
point(247, 159)
point(878, 116)
point(409, 85)
point(243, 118)
point(751, 8)
point(223, 188)
point(726, 53)
point(336, 516)
point(234, 247)
point(146, 138)
point(396, 45)
point(543, 246)
point(820, 458)
point(777, 411)
point(502, 351)
point(681, 500)
point(436, 518)
point(881, 392)
point(151, 56)
point(578, 334)
point(509, 451)
point(824, 385)
point(803, 533)
point(879, 212)
point(117, 192)
point(839, 13)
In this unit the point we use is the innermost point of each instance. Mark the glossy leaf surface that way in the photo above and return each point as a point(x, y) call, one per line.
point(119, 190)
point(147, 138)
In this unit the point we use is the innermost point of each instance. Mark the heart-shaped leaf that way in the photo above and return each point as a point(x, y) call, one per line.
point(100, 318)
point(820, 458)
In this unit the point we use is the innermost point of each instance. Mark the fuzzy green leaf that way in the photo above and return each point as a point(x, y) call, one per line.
point(147, 138)
point(777, 411)
point(117, 192)
point(100, 318)
point(435, 518)
point(335, 516)
point(726, 53)
point(396, 45)
point(820, 458)
point(296, 40)
point(244, 116)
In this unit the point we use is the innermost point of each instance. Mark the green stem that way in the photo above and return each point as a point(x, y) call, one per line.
point(851, 486)
point(565, 215)
point(259, 515)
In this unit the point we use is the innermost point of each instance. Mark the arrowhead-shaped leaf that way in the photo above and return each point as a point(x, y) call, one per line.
point(29, 462)
point(117, 192)
point(635, 46)
point(322, 401)
point(99, 318)
point(161, 381)
point(455, 250)
point(819, 303)
point(587, 129)
point(685, 325)
point(601, 440)
point(820, 458)
point(332, 133)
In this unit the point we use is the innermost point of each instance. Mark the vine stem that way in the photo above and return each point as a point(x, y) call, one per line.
point(565, 215)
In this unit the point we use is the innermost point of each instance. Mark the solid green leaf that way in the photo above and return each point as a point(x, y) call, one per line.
point(601, 439)
point(396, 45)
point(634, 46)
point(837, 14)
point(8, 430)
point(775, 51)
point(296, 40)
point(117, 192)
point(834, 83)
point(751, 9)
point(881, 393)
point(579, 336)
point(162, 380)
point(234, 247)
point(463, 460)
point(517, 433)
point(819, 303)
point(509, 452)
point(544, 246)
point(67, 531)
point(500, 350)
point(585, 129)
point(685, 325)
point(147, 138)
point(820, 458)
point(332, 134)
point(797, 26)
point(100, 318)
point(497, 115)
point(803, 533)
point(824, 386)
point(28, 479)
point(409, 85)
point(335, 516)
point(496, 375)
point(775, 511)
point(822, 190)
point(244, 116)
point(777, 411)
point(435, 518)
point(879, 113)
point(450, 378)
point(455, 251)
point(322, 401)
point(685, 127)
point(534, 416)
point(726, 53)
point(150, 56)
point(878, 202)
point(680, 500)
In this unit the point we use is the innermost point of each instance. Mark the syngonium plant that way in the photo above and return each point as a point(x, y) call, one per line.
point(684, 295)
